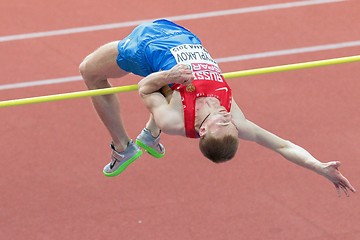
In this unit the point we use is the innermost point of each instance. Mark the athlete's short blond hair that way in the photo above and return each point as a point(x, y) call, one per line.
point(219, 149)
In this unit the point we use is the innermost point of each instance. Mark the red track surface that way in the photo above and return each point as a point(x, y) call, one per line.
point(52, 186)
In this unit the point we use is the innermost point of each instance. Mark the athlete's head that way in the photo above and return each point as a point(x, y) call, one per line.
point(218, 137)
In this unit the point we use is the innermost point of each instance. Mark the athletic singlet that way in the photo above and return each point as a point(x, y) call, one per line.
point(208, 82)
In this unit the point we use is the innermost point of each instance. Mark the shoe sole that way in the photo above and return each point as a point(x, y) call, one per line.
point(123, 166)
point(149, 150)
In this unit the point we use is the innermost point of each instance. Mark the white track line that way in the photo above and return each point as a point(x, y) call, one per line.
point(40, 82)
point(219, 60)
point(289, 51)
point(173, 18)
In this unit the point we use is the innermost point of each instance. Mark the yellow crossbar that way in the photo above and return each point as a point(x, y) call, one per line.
point(237, 74)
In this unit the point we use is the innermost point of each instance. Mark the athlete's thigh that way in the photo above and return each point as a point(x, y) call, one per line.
point(102, 62)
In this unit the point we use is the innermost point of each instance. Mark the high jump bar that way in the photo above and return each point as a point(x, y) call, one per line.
point(229, 75)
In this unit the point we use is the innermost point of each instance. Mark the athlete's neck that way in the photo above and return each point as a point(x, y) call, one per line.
point(203, 108)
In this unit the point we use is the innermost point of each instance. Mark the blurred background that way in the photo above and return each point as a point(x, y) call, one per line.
point(52, 186)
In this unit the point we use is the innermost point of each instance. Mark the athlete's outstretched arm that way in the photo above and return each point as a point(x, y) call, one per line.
point(290, 151)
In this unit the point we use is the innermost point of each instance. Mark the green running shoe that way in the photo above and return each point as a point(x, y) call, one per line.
point(150, 144)
point(121, 160)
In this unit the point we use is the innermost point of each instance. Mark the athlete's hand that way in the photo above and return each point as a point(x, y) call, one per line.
point(180, 73)
point(330, 170)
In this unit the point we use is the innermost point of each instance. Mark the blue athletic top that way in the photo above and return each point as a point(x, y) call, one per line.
point(147, 48)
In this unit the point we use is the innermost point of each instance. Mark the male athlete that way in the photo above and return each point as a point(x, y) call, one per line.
point(186, 94)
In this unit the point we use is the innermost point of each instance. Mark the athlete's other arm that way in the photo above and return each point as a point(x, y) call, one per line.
point(166, 117)
point(292, 152)
point(180, 73)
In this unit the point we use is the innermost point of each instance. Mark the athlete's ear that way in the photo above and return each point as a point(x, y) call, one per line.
point(202, 132)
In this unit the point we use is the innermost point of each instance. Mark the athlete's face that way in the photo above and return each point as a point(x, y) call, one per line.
point(218, 124)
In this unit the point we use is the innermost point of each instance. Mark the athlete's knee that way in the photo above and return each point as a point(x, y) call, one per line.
point(88, 72)
point(84, 68)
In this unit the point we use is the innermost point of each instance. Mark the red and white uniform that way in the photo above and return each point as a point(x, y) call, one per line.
point(208, 82)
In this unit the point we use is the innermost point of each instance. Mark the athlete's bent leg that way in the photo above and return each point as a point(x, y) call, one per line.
point(96, 69)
